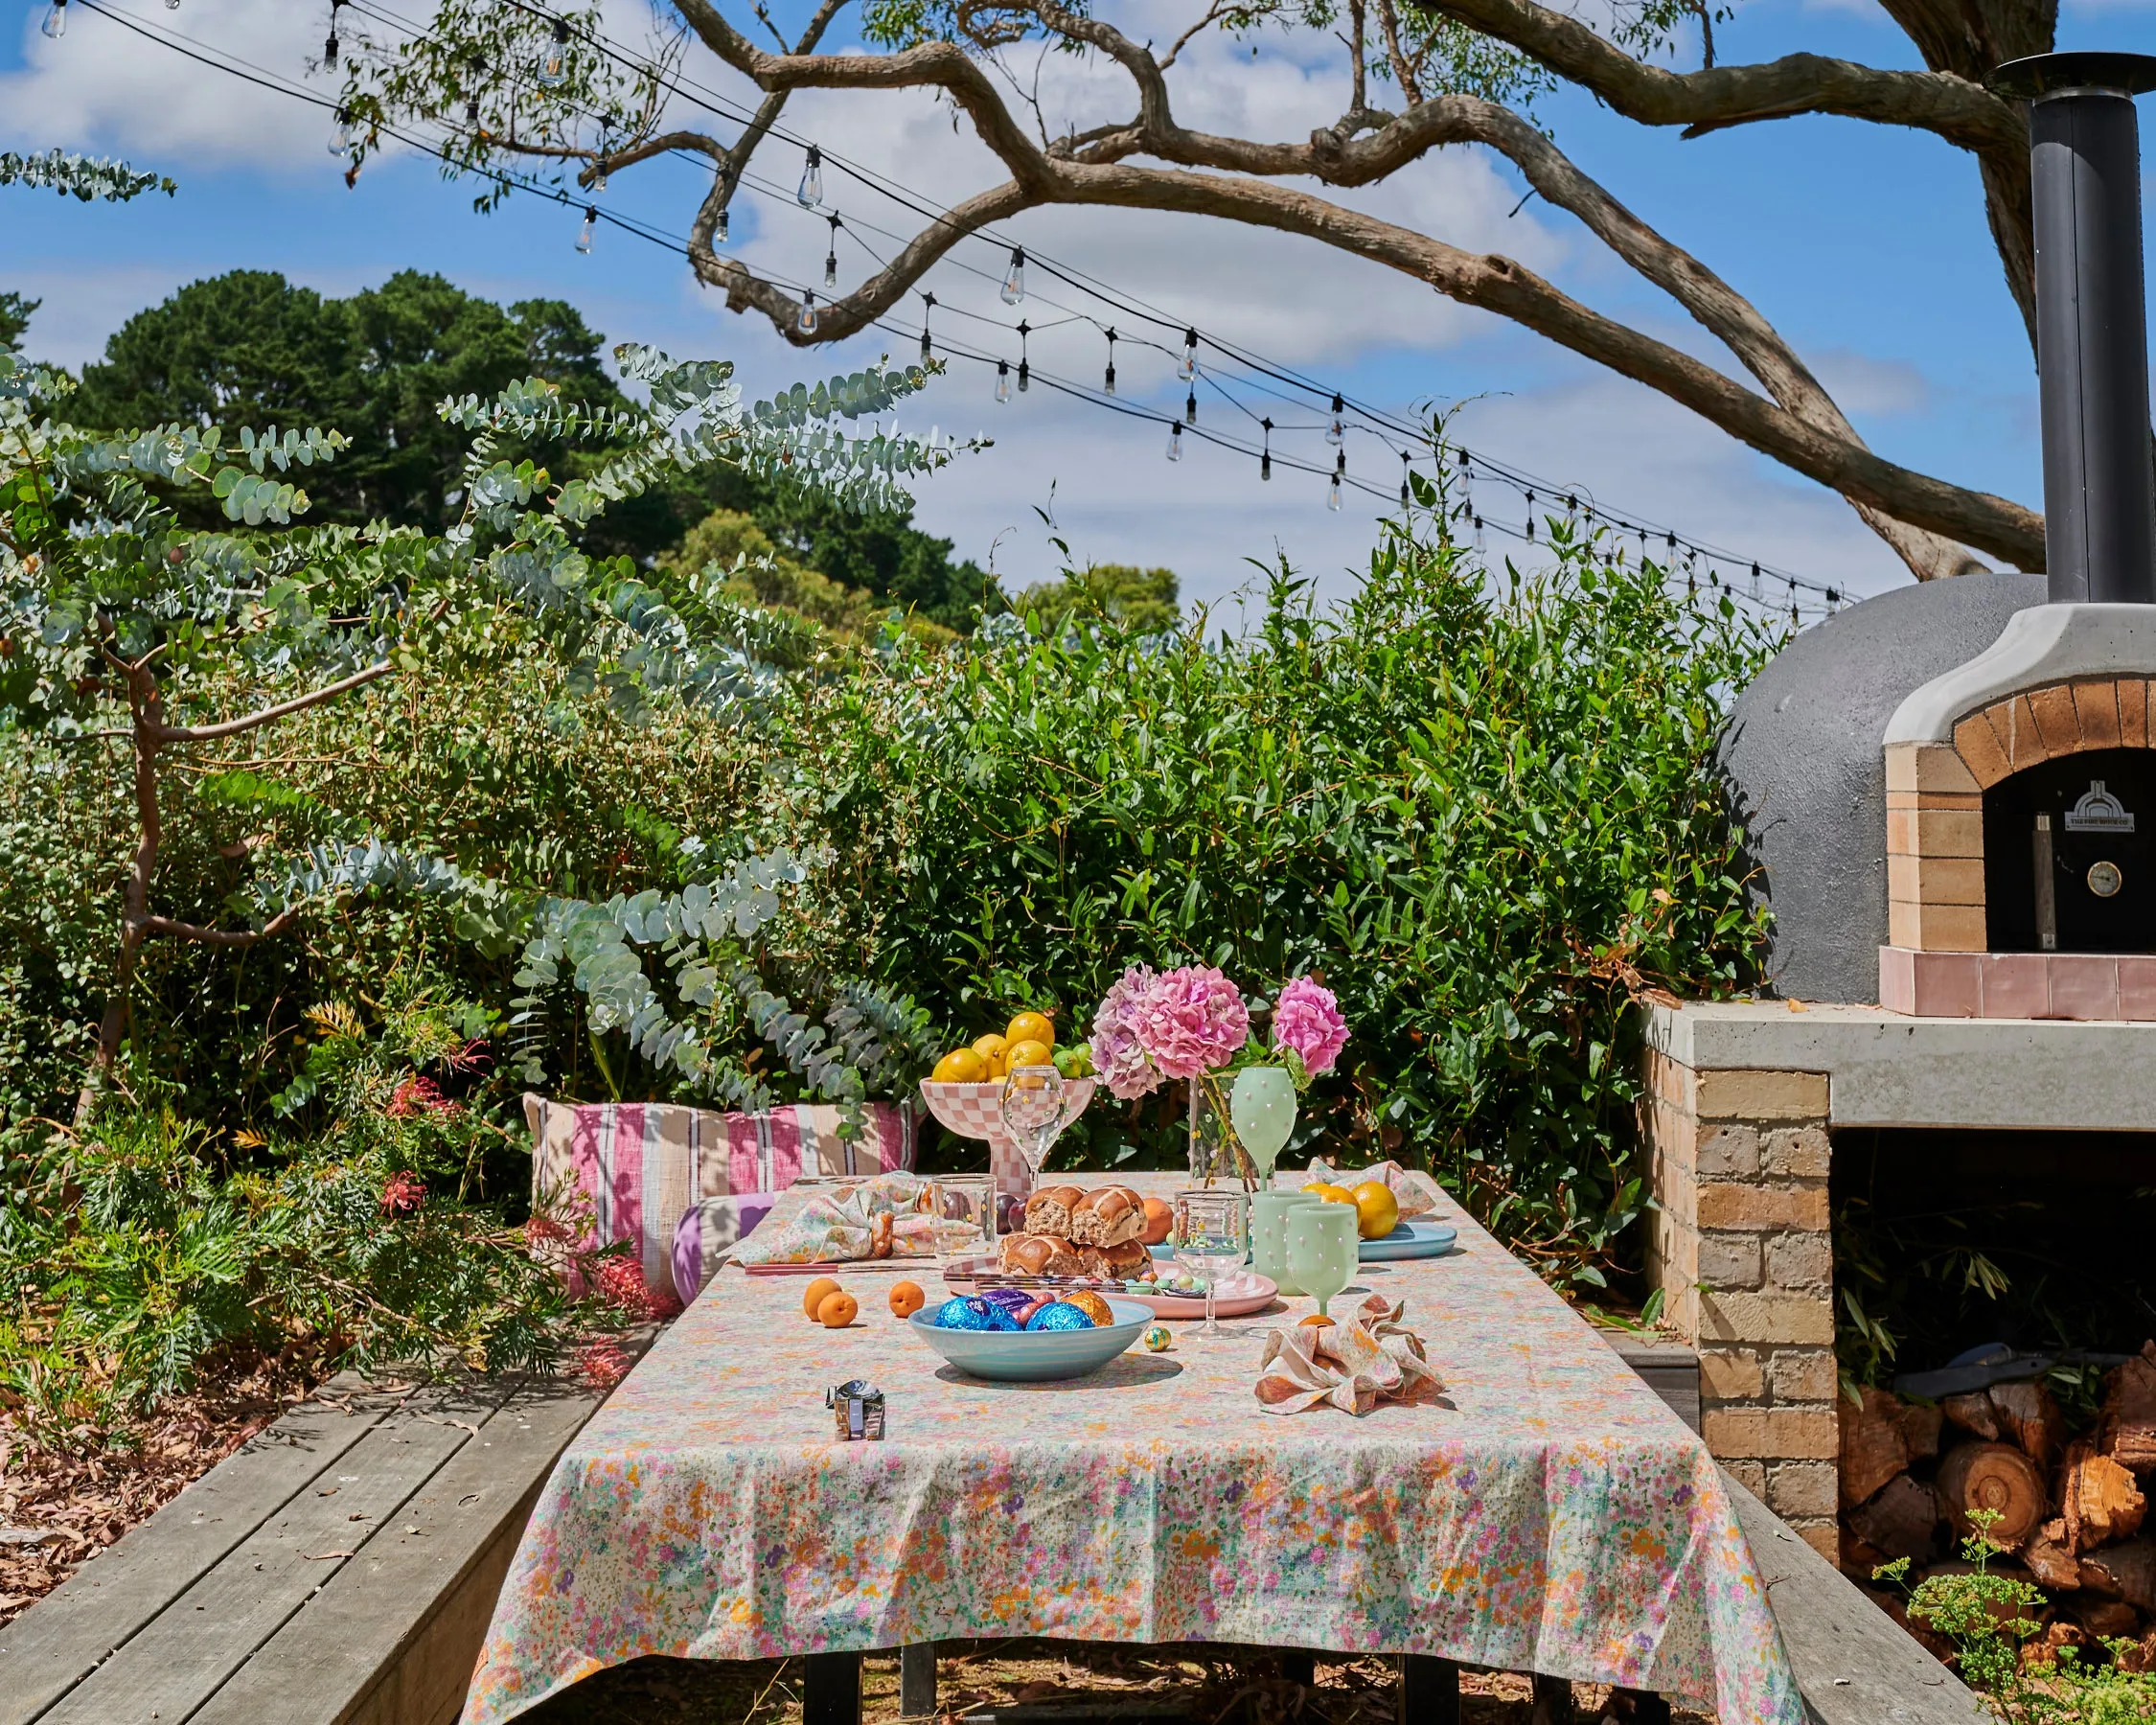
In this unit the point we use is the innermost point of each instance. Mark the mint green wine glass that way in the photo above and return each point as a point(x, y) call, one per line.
point(1323, 1248)
point(1262, 1108)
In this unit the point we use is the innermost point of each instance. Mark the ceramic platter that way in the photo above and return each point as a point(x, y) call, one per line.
point(1241, 1294)
point(1412, 1239)
point(1036, 1356)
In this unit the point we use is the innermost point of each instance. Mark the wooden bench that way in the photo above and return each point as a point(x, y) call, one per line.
point(339, 1569)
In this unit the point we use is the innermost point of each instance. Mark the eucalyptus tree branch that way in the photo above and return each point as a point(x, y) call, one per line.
point(1404, 67)
point(232, 727)
point(221, 937)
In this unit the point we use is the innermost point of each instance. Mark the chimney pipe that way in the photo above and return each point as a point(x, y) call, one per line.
point(2092, 329)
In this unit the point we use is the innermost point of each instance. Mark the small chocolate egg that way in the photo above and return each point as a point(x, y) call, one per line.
point(1157, 1338)
point(1010, 1299)
point(958, 1313)
point(1060, 1314)
point(1092, 1305)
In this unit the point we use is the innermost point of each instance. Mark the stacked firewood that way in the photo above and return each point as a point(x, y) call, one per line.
point(2069, 1505)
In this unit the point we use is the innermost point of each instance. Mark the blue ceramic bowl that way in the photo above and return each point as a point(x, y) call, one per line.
point(1035, 1356)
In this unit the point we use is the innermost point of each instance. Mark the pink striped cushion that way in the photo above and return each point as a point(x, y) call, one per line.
point(641, 1164)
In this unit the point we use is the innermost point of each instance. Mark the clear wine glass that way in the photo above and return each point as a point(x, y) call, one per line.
point(1035, 1108)
point(1208, 1237)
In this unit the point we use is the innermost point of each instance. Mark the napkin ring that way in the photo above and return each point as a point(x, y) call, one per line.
point(859, 1410)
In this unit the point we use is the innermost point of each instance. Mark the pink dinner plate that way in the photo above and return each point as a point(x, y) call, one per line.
point(1241, 1294)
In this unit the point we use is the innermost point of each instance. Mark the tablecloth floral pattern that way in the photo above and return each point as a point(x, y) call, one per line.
point(1549, 1514)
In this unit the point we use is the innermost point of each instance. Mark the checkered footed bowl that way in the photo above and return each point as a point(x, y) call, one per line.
point(975, 1111)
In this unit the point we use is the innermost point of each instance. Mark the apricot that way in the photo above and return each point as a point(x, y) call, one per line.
point(816, 1293)
point(839, 1309)
point(1159, 1220)
point(906, 1299)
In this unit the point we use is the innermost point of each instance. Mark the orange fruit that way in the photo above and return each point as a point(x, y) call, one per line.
point(1331, 1194)
point(1028, 1053)
point(1159, 1221)
point(839, 1309)
point(990, 1047)
point(816, 1293)
point(1378, 1208)
point(906, 1299)
point(1030, 1026)
point(962, 1065)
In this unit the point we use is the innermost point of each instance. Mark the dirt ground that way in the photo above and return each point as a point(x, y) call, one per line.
point(1159, 1684)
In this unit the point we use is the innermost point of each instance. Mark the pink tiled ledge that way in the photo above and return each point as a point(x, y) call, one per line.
point(2054, 985)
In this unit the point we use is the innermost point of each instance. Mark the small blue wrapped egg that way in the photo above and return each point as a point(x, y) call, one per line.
point(1000, 1316)
point(958, 1313)
point(1059, 1315)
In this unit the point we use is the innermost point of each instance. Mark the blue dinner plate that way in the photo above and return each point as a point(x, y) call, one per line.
point(1036, 1356)
point(1412, 1239)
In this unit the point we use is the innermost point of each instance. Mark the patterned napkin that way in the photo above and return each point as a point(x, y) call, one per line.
point(888, 1217)
point(1417, 1193)
point(1372, 1358)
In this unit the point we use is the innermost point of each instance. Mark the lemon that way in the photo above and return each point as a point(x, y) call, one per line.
point(989, 1046)
point(1331, 1194)
point(1377, 1208)
point(961, 1067)
point(1028, 1053)
point(1030, 1026)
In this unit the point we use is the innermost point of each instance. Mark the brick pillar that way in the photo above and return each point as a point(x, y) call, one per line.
point(1742, 1250)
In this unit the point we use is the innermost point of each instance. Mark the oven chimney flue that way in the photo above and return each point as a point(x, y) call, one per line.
point(2092, 331)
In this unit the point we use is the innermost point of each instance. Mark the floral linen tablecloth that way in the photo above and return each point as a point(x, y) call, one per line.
point(1551, 1514)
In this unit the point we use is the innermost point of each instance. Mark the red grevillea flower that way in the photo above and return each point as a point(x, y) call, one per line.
point(403, 1194)
point(421, 1095)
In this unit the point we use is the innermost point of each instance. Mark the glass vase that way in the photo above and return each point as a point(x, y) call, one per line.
point(1217, 1157)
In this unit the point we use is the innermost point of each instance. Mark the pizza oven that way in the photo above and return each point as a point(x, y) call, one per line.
point(1949, 791)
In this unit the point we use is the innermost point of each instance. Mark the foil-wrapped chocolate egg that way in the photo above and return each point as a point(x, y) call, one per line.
point(1092, 1305)
point(958, 1313)
point(1060, 1314)
point(1157, 1338)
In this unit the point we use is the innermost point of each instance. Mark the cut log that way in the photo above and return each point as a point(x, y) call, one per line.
point(1919, 1430)
point(2105, 1619)
point(2097, 1579)
point(2129, 1412)
point(1872, 1449)
point(2101, 1502)
point(1973, 1412)
point(1996, 1478)
point(1900, 1520)
point(2128, 1571)
point(2141, 1657)
point(2044, 1650)
point(2030, 1417)
point(2050, 1560)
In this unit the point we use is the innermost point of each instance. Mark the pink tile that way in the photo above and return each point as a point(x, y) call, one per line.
point(2016, 985)
point(1897, 978)
point(2084, 985)
point(1950, 985)
point(2136, 987)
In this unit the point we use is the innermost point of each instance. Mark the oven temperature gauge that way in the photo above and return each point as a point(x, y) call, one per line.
point(2105, 879)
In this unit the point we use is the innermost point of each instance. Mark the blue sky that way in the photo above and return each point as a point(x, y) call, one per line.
point(1865, 246)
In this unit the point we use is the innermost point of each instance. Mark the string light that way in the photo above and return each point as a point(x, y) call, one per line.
point(1186, 370)
point(928, 305)
point(584, 233)
point(340, 140)
point(810, 192)
point(1003, 381)
point(1175, 439)
point(1108, 383)
point(1014, 278)
point(1403, 479)
point(1336, 433)
point(554, 63)
point(831, 258)
point(720, 236)
point(1025, 373)
point(1530, 515)
point(329, 48)
point(1339, 472)
point(56, 20)
point(808, 312)
point(1190, 408)
point(1265, 460)
point(599, 162)
point(1754, 584)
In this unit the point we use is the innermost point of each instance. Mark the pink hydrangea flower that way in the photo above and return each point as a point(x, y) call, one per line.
point(1118, 1056)
point(1191, 1021)
point(1307, 1019)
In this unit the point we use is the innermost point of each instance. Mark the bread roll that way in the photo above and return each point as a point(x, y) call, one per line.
point(1036, 1254)
point(1108, 1216)
point(1126, 1261)
point(1048, 1211)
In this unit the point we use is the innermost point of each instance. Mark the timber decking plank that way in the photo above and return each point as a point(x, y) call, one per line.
point(391, 1638)
point(179, 1659)
point(1854, 1663)
point(106, 1602)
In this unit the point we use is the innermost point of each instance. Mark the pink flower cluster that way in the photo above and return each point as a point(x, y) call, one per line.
point(1307, 1019)
point(403, 1194)
point(1174, 1024)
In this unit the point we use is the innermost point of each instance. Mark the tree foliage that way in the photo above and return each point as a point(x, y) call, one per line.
point(89, 178)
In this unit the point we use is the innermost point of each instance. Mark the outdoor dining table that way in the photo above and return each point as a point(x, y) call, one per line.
point(1548, 1513)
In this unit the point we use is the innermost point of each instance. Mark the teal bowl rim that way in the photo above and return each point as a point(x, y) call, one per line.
point(1144, 1316)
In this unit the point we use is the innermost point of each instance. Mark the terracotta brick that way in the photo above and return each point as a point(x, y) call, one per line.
point(1801, 1150)
point(2015, 724)
point(2133, 712)
point(1750, 1094)
point(1823, 1537)
point(1805, 1320)
point(1901, 832)
point(1802, 1375)
point(2055, 718)
point(1949, 984)
point(1773, 1434)
point(1946, 929)
point(1897, 963)
point(1913, 766)
point(1807, 1488)
point(1730, 1149)
point(1750, 1474)
point(2136, 987)
point(1730, 1375)
point(1729, 1260)
point(1949, 800)
point(1981, 755)
point(2015, 985)
point(2097, 705)
point(1734, 1204)
point(1948, 833)
point(1936, 879)
point(2084, 985)
point(1800, 1260)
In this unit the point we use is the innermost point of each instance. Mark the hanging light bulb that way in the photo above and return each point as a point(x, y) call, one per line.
point(1175, 439)
point(1404, 500)
point(810, 192)
point(720, 234)
point(831, 258)
point(1014, 278)
point(1002, 380)
point(1336, 433)
point(1190, 408)
point(928, 305)
point(1108, 383)
point(554, 63)
point(1025, 371)
point(472, 114)
point(329, 48)
point(56, 20)
point(584, 233)
point(340, 139)
point(1530, 515)
point(1339, 472)
point(599, 160)
point(808, 312)
point(1265, 460)
point(1187, 369)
